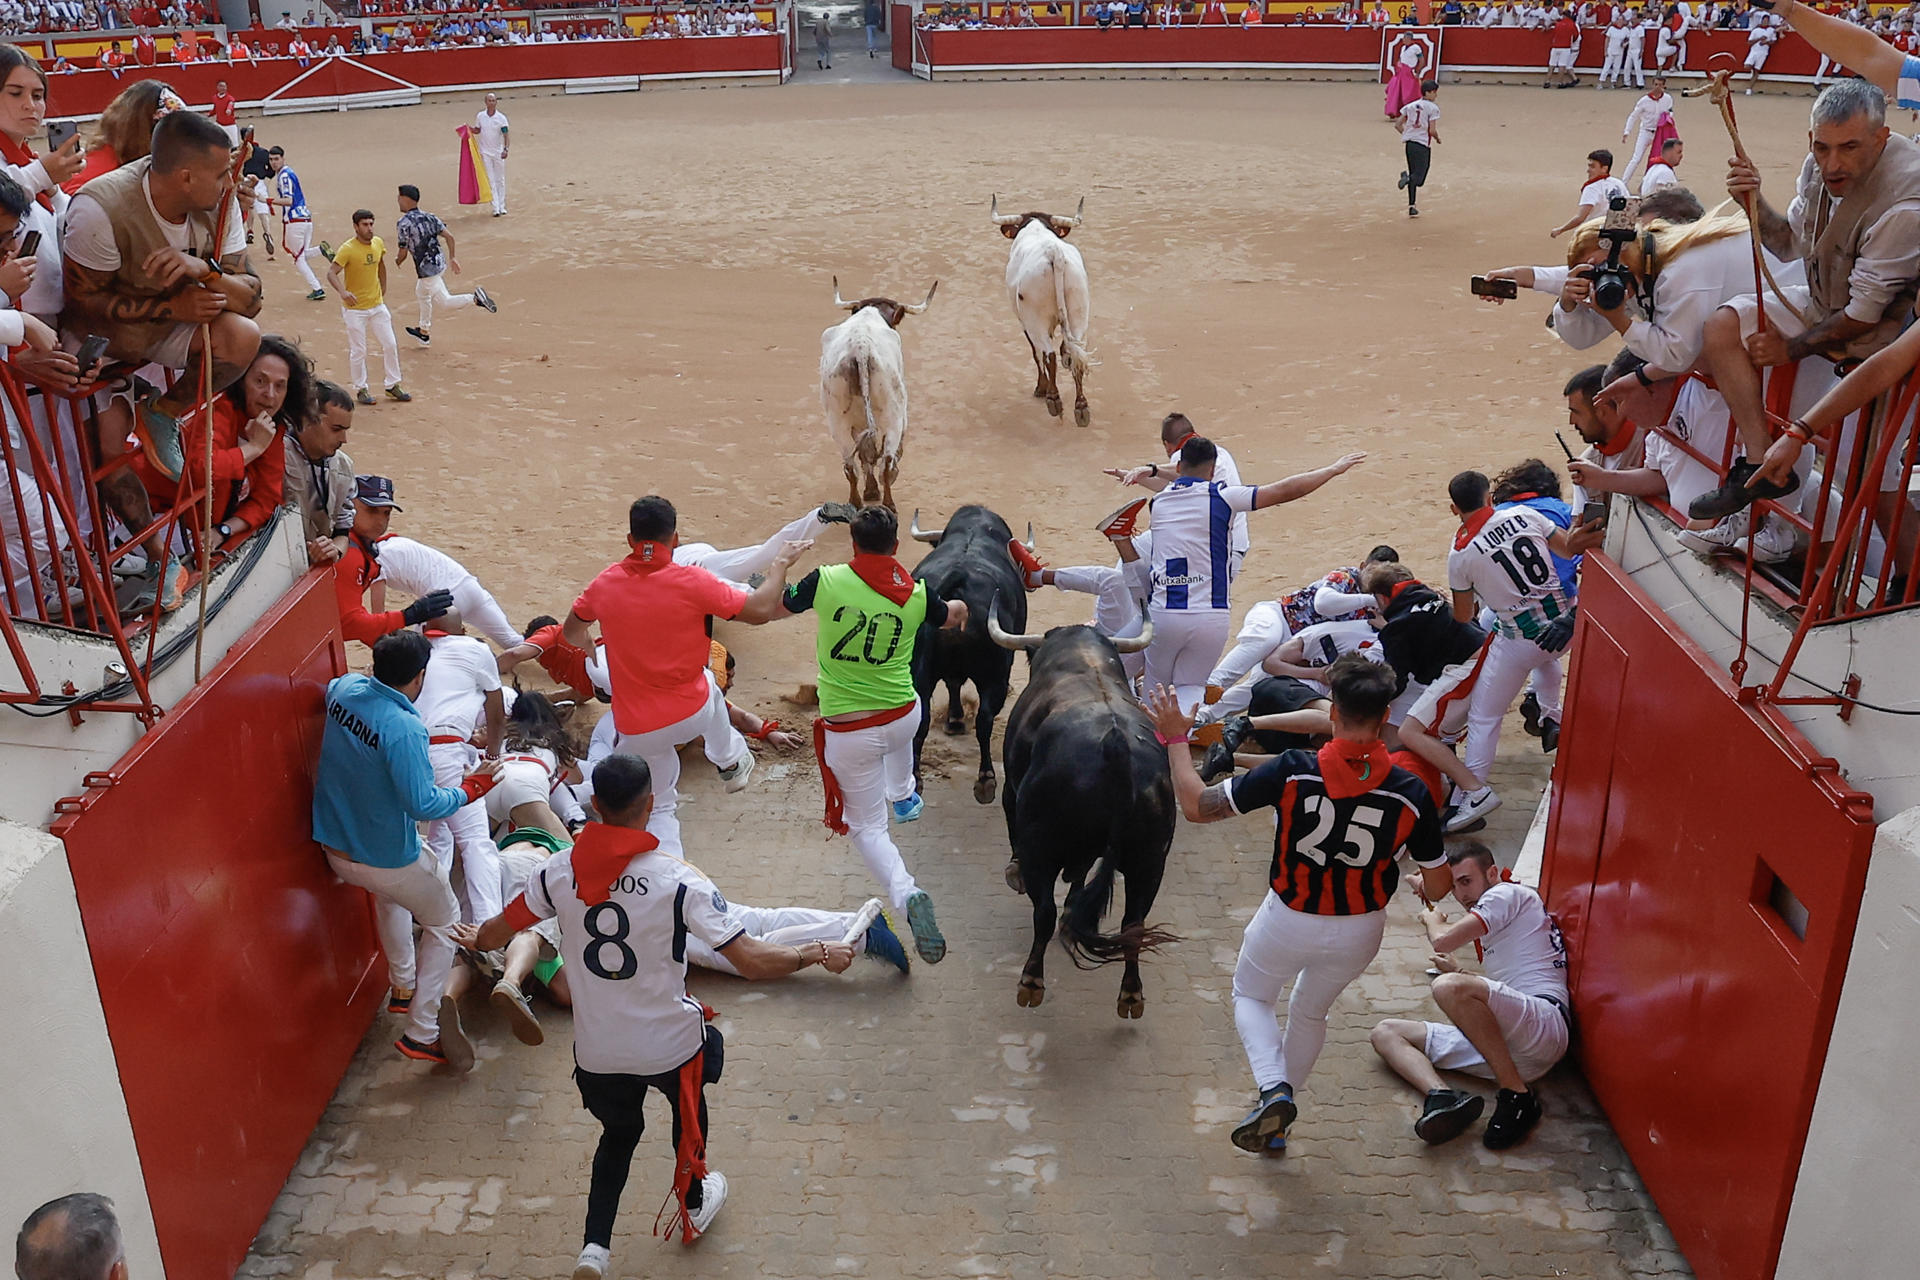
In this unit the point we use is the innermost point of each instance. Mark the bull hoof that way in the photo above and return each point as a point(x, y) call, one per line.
point(956, 727)
point(1015, 881)
point(1053, 406)
point(1040, 393)
point(1132, 1004)
point(1032, 991)
point(1082, 415)
point(983, 789)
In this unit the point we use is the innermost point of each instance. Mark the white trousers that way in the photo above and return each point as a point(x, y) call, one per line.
point(875, 768)
point(1318, 956)
point(482, 613)
point(1262, 631)
point(1186, 644)
point(1641, 146)
point(297, 239)
point(1503, 672)
point(432, 292)
point(1116, 612)
point(783, 926)
point(740, 563)
point(660, 748)
point(32, 515)
point(380, 321)
point(466, 832)
point(403, 896)
point(1614, 68)
point(496, 167)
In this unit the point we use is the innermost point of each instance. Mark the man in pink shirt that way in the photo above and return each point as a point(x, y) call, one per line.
point(653, 621)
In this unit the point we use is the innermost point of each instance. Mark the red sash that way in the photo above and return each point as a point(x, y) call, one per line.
point(835, 818)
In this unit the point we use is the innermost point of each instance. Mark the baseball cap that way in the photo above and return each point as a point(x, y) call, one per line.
point(374, 491)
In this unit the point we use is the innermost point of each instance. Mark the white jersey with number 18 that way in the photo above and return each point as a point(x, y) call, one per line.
point(1507, 563)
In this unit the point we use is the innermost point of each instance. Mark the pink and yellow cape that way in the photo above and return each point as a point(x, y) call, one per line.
point(473, 174)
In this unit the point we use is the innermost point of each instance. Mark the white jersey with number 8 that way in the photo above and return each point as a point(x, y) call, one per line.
point(626, 959)
point(1508, 565)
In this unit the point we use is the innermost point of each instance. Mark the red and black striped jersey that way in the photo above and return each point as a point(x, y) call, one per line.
point(1335, 857)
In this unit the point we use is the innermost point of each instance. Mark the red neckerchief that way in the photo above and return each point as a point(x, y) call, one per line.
point(23, 155)
point(1398, 587)
point(648, 556)
point(884, 574)
point(600, 854)
point(1173, 450)
point(1470, 527)
point(1618, 445)
point(1352, 768)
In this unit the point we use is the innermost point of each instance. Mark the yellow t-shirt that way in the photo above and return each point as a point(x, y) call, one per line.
point(360, 264)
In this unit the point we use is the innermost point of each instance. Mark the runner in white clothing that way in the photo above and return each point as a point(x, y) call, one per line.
point(491, 127)
point(1601, 187)
point(1614, 68)
point(1513, 1024)
point(1188, 573)
point(417, 569)
point(1643, 120)
point(1637, 30)
point(1761, 38)
point(1660, 174)
point(462, 684)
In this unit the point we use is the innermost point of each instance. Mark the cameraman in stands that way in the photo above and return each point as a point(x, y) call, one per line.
point(1676, 205)
point(1855, 220)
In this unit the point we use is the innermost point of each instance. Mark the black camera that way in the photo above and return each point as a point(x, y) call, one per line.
point(1612, 283)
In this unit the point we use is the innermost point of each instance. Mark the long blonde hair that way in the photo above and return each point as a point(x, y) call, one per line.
point(1670, 239)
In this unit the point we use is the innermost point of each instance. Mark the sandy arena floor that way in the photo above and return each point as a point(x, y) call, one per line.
point(663, 279)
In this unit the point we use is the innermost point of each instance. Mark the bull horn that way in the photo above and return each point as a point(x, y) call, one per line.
point(841, 302)
point(1075, 219)
point(1134, 644)
point(1027, 542)
point(918, 534)
point(1003, 638)
point(912, 310)
point(1001, 219)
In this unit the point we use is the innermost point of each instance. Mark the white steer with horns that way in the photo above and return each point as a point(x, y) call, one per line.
point(863, 389)
point(1047, 284)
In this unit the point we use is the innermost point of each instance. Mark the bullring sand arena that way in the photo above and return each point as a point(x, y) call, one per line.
point(663, 280)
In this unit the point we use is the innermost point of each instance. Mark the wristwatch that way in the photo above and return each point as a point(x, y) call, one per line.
point(225, 530)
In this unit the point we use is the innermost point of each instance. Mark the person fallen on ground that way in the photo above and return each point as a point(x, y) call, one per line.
point(869, 709)
point(74, 1237)
point(1320, 922)
point(464, 710)
point(738, 566)
point(420, 570)
point(420, 234)
point(372, 787)
point(318, 481)
point(1511, 1023)
point(622, 903)
point(565, 664)
point(755, 728)
point(359, 276)
point(359, 568)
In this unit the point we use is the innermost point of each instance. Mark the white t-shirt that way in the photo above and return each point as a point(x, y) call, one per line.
point(1192, 527)
point(417, 568)
point(460, 674)
point(88, 238)
point(1659, 177)
point(1522, 947)
point(1617, 40)
point(493, 132)
point(1416, 121)
point(1322, 642)
point(1595, 194)
point(626, 959)
point(1700, 418)
point(1508, 565)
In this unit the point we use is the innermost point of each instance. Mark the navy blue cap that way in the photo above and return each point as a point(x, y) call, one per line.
point(374, 491)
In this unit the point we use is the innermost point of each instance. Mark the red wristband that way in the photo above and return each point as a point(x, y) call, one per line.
point(1168, 742)
point(767, 729)
point(477, 785)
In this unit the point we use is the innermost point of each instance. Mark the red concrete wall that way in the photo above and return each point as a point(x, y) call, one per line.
point(236, 974)
point(1703, 1019)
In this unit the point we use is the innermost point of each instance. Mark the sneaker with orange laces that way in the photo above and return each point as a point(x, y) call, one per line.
point(1031, 565)
point(1124, 522)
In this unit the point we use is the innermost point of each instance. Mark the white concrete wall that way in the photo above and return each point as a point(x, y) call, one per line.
point(1853, 1204)
point(63, 1121)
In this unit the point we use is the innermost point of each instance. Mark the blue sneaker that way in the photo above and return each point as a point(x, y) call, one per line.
point(160, 439)
point(884, 944)
point(927, 939)
point(1276, 1145)
point(909, 809)
point(1271, 1117)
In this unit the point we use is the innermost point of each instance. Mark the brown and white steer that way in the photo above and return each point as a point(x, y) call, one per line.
point(1047, 284)
point(863, 388)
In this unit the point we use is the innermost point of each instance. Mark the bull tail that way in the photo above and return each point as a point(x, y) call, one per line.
point(866, 445)
point(1080, 919)
point(1072, 336)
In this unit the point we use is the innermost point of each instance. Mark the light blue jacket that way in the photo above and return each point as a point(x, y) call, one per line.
point(374, 780)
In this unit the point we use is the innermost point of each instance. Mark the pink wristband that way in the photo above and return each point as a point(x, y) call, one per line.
point(1168, 742)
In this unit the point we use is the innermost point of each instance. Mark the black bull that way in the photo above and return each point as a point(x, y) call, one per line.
point(1088, 796)
point(969, 562)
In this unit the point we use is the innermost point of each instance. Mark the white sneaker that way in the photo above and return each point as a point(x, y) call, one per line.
point(1725, 535)
point(713, 1194)
point(594, 1260)
point(737, 776)
point(1774, 543)
point(1473, 808)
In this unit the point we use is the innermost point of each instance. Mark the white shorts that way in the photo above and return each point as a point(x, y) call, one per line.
point(1443, 706)
point(1535, 1031)
point(521, 781)
point(1757, 57)
point(1560, 59)
point(297, 237)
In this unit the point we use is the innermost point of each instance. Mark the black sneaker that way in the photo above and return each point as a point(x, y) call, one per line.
point(1549, 736)
point(837, 512)
point(1272, 1115)
point(1219, 759)
point(484, 299)
point(421, 334)
point(1735, 495)
point(1447, 1114)
point(1530, 714)
point(1514, 1115)
point(1405, 178)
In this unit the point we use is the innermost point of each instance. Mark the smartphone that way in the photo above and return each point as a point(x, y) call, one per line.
point(29, 245)
point(1563, 446)
point(1595, 512)
point(1485, 288)
point(90, 352)
point(60, 133)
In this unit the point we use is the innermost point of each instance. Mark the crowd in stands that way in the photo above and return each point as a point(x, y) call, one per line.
point(1894, 23)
